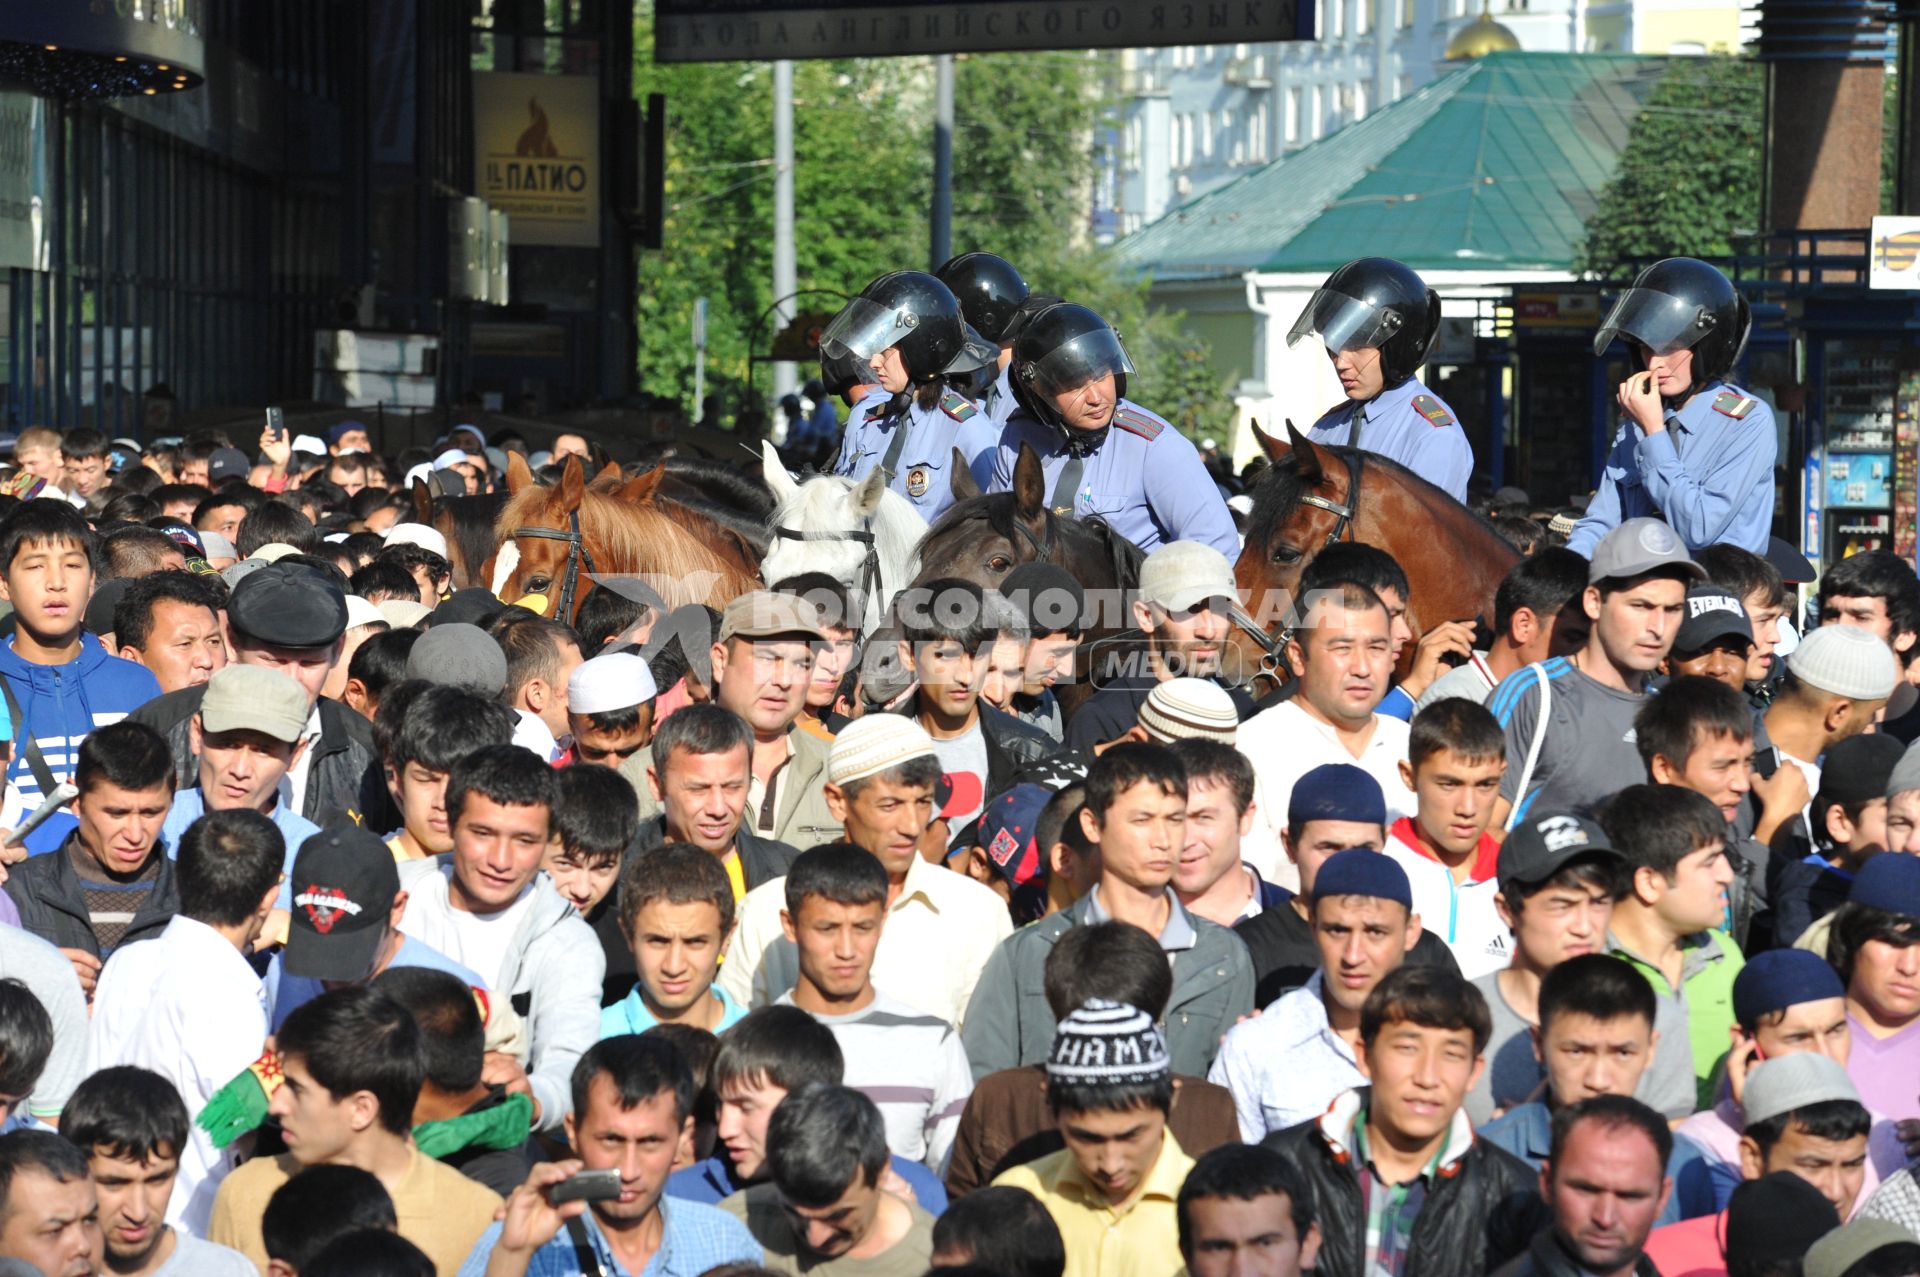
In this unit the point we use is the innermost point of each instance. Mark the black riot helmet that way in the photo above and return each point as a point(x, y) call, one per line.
point(1379, 303)
point(1682, 304)
point(990, 291)
point(1061, 349)
point(841, 373)
point(914, 311)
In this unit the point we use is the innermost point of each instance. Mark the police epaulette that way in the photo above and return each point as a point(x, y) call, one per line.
point(1432, 410)
point(1138, 421)
point(1731, 403)
point(957, 406)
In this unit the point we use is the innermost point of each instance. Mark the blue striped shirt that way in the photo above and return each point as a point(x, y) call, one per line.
point(1588, 752)
point(694, 1239)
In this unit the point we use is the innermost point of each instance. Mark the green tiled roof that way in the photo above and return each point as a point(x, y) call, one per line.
point(1497, 164)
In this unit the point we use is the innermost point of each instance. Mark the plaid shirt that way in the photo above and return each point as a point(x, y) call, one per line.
point(1391, 1208)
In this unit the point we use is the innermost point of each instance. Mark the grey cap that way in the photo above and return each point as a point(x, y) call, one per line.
point(1905, 774)
point(1848, 1244)
point(1640, 546)
point(1846, 661)
point(460, 655)
point(1789, 1082)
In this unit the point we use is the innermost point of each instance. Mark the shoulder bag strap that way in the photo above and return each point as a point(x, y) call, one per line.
point(1533, 746)
point(28, 745)
point(582, 1248)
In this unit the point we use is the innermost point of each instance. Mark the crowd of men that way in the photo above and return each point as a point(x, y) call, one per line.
point(358, 924)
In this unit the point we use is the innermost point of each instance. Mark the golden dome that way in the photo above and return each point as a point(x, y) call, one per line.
point(1480, 37)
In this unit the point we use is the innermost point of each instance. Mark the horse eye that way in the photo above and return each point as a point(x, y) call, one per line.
point(538, 584)
point(1284, 553)
point(999, 563)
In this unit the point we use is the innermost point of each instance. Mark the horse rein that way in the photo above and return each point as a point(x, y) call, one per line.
point(577, 556)
point(869, 566)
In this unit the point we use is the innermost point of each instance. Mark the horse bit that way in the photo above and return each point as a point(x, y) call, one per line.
point(577, 556)
point(1345, 515)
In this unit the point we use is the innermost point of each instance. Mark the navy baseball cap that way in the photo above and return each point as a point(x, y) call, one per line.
point(1007, 833)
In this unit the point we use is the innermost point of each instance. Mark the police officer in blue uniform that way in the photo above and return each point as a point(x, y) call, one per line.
point(1693, 448)
point(908, 329)
point(1378, 320)
point(991, 294)
point(1101, 453)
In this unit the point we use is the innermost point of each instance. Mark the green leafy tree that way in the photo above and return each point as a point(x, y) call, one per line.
point(1688, 181)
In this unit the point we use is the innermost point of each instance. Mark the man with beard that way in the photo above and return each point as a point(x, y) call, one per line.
point(1605, 1183)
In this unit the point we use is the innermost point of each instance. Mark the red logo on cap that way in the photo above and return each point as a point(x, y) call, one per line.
point(325, 906)
point(1002, 848)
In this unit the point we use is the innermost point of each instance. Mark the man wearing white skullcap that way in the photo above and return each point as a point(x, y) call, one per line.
point(610, 708)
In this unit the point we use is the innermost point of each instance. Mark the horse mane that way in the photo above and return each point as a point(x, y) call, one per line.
point(1278, 493)
point(997, 511)
point(472, 520)
point(728, 487)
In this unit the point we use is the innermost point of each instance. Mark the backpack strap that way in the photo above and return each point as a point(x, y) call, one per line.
point(36, 761)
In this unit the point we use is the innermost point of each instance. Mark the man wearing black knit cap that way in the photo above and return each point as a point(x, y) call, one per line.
point(1851, 822)
point(290, 619)
point(1771, 1223)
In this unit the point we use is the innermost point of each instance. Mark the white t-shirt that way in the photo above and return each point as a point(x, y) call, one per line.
point(964, 760)
point(481, 941)
point(193, 1257)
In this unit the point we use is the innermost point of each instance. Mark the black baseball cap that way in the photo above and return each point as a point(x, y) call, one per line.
point(1541, 846)
point(344, 886)
point(288, 605)
point(1712, 612)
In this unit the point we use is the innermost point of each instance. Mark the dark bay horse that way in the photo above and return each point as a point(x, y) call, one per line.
point(467, 524)
point(1315, 496)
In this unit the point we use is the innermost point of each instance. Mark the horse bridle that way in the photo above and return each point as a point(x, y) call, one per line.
point(870, 574)
point(577, 557)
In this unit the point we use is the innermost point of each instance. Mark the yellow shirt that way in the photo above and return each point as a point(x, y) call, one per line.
point(1140, 1238)
point(736, 877)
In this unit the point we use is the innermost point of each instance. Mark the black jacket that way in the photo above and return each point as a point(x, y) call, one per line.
point(1481, 1210)
point(1011, 745)
point(1545, 1257)
point(53, 904)
point(1284, 953)
point(345, 781)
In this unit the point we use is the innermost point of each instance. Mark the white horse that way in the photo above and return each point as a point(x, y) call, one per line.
point(863, 534)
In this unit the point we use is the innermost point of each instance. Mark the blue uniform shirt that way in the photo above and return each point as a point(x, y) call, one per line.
point(1709, 474)
point(1145, 479)
point(924, 473)
point(999, 402)
point(1408, 424)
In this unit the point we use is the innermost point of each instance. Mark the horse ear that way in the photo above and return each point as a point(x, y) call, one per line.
point(1274, 448)
point(964, 487)
point(864, 500)
point(573, 483)
point(422, 502)
point(779, 482)
point(1306, 457)
point(1029, 484)
point(519, 477)
point(609, 474)
point(639, 490)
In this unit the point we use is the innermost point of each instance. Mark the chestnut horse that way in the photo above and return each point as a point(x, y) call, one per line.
point(1315, 496)
point(571, 531)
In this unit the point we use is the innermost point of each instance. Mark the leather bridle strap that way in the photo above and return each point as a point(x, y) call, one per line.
point(870, 574)
point(577, 557)
point(1347, 513)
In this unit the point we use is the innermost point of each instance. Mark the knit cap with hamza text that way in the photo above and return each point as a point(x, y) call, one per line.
point(1107, 1043)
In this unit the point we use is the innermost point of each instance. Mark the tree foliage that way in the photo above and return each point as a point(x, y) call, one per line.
point(1024, 159)
point(1688, 181)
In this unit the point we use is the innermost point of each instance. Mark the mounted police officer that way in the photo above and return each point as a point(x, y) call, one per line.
point(908, 329)
point(991, 292)
point(1378, 321)
point(1100, 452)
point(1692, 449)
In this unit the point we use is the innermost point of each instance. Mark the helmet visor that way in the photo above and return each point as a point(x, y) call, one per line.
point(1661, 323)
point(865, 328)
point(1087, 357)
point(975, 352)
point(1344, 323)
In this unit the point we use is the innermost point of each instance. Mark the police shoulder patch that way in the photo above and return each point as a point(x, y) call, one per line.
point(1136, 420)
point(957, 406)
point(1433, 410)
point(1731, 403)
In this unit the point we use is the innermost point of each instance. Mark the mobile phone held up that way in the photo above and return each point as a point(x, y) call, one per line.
point(587, 1186)
point(276, 424)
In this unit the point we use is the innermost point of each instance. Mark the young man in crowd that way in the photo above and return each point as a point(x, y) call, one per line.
point(170, 623)
point(49, 1211)
point(1860, 779)
point(1784, 1001)
point(1002, 1230)
point(941, 926)
point(1875, 946)
point(632, 1105)
point(133, 1128)
point(771, 1053)
point(1604, 1184)
point(832, 658)
point(1714, 640)
point(44, 977)
point(86, 457)
point(1245, 1210)
point(1456, 755)
point(826, 1152)
point(1596, 1037)
point(1334, 807)
point(1343, 656)
point(1181, 608)
point(1875, 591)
point(1290, 1062)
point(292, 619)
point(1051, 606)
point(610, 708)
point(1763, 597)
point(1837, 680)
point(1569, 722)
point(1400, 1184)
point(316, 1208)
point(1668, 923)
point(1113, 1187)
point(488, 907)
point(352, 1064)
point(1007, 1121)
point(761, 665)
point(1803, 1116)
point(676, 911)
point(541, 656)
point(422, 732)
point(1558, 878)
point(26, 1044)
point(1211, 880)
point(594, 822)
point(1537, 616)
point(187, 1004)
point(911, 1064)
point(46, 573)
point(110, 883)
point(1135, 815)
